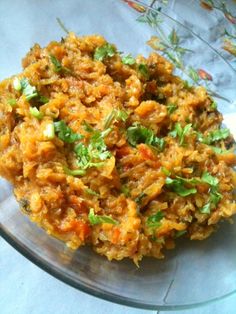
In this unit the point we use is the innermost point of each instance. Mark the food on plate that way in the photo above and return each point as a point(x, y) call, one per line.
point(112, 151)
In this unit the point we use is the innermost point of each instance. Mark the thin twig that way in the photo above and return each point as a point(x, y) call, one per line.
point(61, 24)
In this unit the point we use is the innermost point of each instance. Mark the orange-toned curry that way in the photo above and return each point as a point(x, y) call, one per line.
point(113, 151)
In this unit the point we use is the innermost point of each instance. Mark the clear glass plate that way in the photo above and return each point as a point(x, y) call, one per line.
point(195, 272)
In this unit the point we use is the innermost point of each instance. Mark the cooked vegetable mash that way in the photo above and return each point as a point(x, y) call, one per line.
point(112, 151)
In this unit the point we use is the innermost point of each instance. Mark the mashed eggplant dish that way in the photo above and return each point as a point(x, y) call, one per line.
point(115, 152)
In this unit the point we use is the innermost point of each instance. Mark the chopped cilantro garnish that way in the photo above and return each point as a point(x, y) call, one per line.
point(87, 127)
point(36, 113)
point(154, 221)
point(218, 150)
point(97, 219)
point(177, 185)
point(218, 135)
point(28, 90)
point(128, 60)
point(209, 179)
point(74, 172)
point(206, 209)
point(115, 115)
point(57, 66)
point(101, 53)
point(187, 85)
point(171, 108)
point(91, 192)
point(65, 133)
point(215, 195)
point(12, 102)
point(137, 134)
point(43, 99)
point(125, 190)
point(97, 145)
point(95, 152)
point(180, 132)
point(213, 136)
point(83, 156)
point(165, 171)
point(140, 197)
point(214, 105)
point(143, 70)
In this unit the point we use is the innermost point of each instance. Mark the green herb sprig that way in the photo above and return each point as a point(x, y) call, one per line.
point(57, 66)
point(103, 52)
point(98, 219)
point(65, 133)
point(181, 132)
point(137, 134)
point(154, 221)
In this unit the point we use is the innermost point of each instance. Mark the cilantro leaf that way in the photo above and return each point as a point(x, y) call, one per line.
point(143, 70)
point(91, 192)
point(165, 171)
point(213, 136)
point(88, 156)
point(137, 134)
point(97, 219)
point(28, 90)
point(154, 221)
point(171, 108)
point(12, 102)
point(214, 105)
point(83, 156)
point(128, 60)
point(218, 135)
point(36, 113)
point(97, 145)
point(140, 197)
point(65, 133)
point(87, 127)
point(57, 66)
point(125, 190)
point(208, 178)
point(177, 185)
point(43, 99)
point(115, 115)
point(218, 150)
point(74, 172)
point(101, 53)
point(206, 209)
point(215, 195)
point(180, 132)
point(187, 85)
